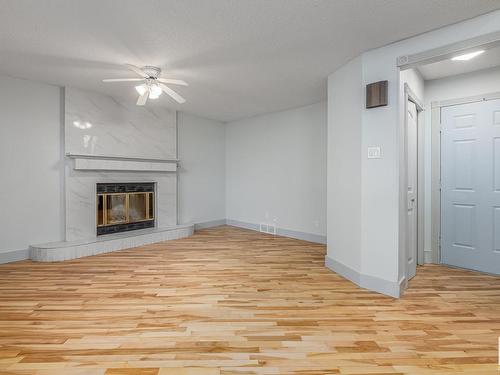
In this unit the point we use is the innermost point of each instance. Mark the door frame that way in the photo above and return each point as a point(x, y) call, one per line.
point(409, 95)
point(436, 164)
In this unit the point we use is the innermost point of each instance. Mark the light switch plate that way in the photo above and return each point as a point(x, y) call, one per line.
point(374, 152)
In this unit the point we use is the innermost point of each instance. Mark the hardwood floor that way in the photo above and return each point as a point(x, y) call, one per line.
point(231, 301)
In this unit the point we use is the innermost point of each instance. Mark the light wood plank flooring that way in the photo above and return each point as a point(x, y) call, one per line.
point(232, 301)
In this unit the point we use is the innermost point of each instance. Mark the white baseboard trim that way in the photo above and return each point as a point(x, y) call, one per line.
point(310, 237)
point(242, 224)
point(389, 288)
point(403, 285)
point(209, 224)
point(14, 256)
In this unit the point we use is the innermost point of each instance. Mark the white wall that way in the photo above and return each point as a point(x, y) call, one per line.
point(201, 148)
point(31, 192)
point(345, 95)
point(276, 169)
point(454, 87)
point(463, 85)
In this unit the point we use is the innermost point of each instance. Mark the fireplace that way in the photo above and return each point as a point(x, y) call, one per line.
point(124, 207)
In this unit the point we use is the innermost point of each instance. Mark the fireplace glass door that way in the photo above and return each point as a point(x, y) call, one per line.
point(116, 209)
point(139, 207)
point(124, 210)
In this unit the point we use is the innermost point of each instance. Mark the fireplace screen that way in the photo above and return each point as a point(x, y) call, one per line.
point(124, 207)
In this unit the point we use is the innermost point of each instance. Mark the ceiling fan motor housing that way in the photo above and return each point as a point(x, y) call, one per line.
point(151, 71)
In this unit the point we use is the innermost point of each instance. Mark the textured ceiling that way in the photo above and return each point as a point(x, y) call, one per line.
point(241, 57)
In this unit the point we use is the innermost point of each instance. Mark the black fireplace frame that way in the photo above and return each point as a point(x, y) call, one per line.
point(126, 187)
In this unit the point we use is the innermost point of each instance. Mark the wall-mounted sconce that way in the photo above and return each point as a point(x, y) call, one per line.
point(376, 94)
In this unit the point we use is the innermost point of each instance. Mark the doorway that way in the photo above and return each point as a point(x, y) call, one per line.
point(414, 182)
point(470, 184)
point(462, 157)
point(412, 194)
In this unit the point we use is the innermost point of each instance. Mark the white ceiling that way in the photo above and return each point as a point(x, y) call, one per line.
point(241, 57)
point(445, 68)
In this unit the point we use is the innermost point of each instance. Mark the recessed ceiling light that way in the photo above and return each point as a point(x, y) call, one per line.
point(467, 56)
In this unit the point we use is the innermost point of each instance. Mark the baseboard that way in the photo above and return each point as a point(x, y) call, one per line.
point(343, 270)
point(242, 224)
point(403, 285)
point(14, 256)
point(376, 284)
point(310, 237)
point(209, 224)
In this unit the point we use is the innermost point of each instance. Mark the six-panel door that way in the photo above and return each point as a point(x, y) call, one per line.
point(470, 186)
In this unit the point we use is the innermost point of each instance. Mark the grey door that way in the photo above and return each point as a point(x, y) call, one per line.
point(470, 186)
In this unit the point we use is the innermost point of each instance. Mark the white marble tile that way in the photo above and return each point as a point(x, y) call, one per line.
point(99, 125)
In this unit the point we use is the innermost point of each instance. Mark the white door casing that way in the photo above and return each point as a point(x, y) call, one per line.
point(470, 185)
point(412, 191)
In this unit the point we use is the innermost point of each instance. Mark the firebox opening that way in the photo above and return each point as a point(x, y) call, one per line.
point(124, 207)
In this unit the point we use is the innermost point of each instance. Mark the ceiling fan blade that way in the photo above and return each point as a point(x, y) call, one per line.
point(123, 79)
point(179, 82)
point(137, 70)
point(143, 98)
point(179, 99)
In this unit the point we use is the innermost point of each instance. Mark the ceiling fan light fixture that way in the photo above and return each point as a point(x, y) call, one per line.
point(141, 89)
point(153, 85)
point(154, 92)
point(82, 125)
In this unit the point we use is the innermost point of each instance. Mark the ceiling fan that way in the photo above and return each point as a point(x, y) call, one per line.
point(153, 86)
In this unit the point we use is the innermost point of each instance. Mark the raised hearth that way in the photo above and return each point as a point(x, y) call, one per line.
point(65, 250)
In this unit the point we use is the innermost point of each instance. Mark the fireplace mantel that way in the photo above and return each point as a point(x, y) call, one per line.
point(118, 163)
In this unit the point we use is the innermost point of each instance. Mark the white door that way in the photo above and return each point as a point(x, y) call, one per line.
point(412, 171)
point(470, 186)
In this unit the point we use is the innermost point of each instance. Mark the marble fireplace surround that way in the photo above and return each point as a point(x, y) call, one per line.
point(81, 197)
point(124, 143)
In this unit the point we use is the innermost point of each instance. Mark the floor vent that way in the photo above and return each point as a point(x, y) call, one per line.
point(267, 228)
